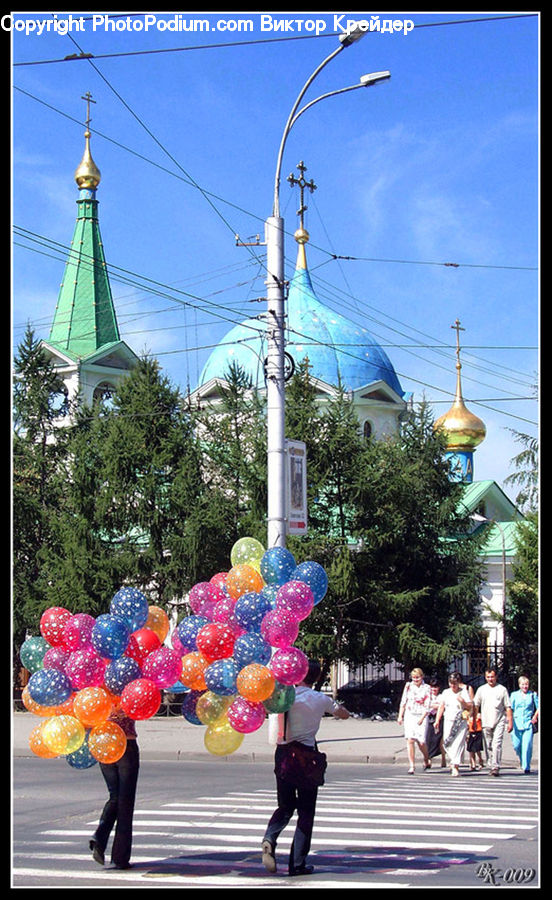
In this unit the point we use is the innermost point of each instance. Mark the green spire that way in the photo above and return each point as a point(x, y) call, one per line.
point(85, 319)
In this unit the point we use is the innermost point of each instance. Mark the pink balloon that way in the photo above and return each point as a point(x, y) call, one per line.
point(202, 599)
point(77, 631)
point(296, 598)
point(55, 658)
point(289, 665)
point(163, 667)
point(279, 628)
point(52, 623)
point(245, 716)
point(224, 613)
point(85, 668)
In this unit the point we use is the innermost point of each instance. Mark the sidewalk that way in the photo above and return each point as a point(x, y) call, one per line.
point(343, 740)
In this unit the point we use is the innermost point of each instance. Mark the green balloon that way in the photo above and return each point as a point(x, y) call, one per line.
point(282, 697)
point(32, 653)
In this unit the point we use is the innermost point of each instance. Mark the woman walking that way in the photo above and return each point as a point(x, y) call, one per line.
point(454, 710)
point(413, 709)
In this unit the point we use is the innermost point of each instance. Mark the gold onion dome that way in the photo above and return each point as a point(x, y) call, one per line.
point(87, 174)
point(464, 430)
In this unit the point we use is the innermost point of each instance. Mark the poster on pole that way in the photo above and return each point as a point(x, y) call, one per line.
point(296, 487)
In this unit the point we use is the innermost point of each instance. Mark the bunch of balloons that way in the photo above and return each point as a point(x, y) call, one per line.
point(86, 671)
point(238, 655)
point(234, 653)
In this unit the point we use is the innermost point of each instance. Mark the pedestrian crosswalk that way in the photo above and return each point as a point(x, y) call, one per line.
point(389, 830)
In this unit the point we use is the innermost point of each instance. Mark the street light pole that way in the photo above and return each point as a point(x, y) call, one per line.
point(275, 284)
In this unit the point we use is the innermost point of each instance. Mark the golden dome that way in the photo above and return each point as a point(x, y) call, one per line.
point(463, 429)
point(87, 174)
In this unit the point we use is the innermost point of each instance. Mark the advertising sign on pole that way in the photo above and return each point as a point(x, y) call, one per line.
point(296, 487)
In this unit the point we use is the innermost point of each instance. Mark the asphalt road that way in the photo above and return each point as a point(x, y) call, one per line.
point(199, 824)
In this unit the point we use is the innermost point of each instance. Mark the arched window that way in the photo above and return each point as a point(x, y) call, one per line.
point(367, 430)
point(103, 393)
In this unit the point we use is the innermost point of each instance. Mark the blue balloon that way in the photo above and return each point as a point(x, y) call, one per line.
point(110, 636)
point(49, 687)
point(313, 574)
point(188, 630)
point(250, 609)
point(131, 605)
point(251, 648)
point(269, 593)
point(277, 564)
point(82, 758)
point(189, 707)
point(221, 676)
point(121, 672)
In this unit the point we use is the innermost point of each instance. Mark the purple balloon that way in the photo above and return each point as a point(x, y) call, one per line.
point(289, 666)
point(296, 598)
point(279, 628)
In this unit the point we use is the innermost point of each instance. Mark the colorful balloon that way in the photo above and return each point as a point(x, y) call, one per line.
point(120, 672)
point(85, 668)
point(92, 706)
point(158, 621)
point(37, 745)
point(77, 631)
point(65, 708)
point(245, 716)
point(82, 758)
point(224, 613)
point(188, 630)
point(250, 609)
point(141, 644)
point(279, 628)
point(277, 565)
point(250, 648)
point(110, 636)
point(163, 667)
point(32, 653)
point(202, 599)
point(192, 673)
point(140, 699)
point(49, 687)
point(246, 550)
point(215, 641)
point(52, 623)
point(221, 739)
point(255, 682)
point(289, 665)
point(188, 708)
point(296, 598)
point(63, 734)
point(281, 699)
point(221, 675)
point(55, 658)
point(107, 742)
point(131, 605)
point(241, 579)
point(210, 707)
point(313, 574)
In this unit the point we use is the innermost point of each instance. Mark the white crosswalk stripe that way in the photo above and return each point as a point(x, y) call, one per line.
point(377, 833)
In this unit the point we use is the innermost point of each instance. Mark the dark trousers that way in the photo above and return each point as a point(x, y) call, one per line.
point(121, 779)
point(290, 799)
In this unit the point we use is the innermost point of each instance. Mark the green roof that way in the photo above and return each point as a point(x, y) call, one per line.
point(85, 319)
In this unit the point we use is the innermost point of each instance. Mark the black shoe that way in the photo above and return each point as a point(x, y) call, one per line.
point(302, 870)
point(269, 860)
point(121, 866)
point(97, 852)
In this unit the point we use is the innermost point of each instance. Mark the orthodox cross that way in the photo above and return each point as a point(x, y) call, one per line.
point(303, 183)
point(89, 100)
point(458, 329)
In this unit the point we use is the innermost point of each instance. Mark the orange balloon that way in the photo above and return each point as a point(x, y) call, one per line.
point(255, 682)
point(242, 579)
point(158, 621)
point(37, 745)
point(92, 706)
point(193, 671)
point(107, 742)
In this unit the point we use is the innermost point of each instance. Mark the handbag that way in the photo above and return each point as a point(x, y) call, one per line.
point(301, 766)
point(475, 742)
point(534, 725)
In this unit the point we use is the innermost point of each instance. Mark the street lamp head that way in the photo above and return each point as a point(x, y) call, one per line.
point(374, 77)
point(353, 34)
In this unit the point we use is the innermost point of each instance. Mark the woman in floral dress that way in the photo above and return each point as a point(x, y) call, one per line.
point(413, 709)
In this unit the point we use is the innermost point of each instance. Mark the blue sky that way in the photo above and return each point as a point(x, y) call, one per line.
point(438, 165)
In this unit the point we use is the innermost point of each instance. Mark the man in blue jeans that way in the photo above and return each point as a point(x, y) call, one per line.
point(302, 723)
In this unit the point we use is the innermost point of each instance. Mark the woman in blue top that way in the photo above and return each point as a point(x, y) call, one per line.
point(525, 710)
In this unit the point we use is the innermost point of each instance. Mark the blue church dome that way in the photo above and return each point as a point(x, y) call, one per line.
point(337, 349)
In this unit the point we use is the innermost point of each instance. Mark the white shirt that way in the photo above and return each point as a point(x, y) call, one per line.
point(493, 702)
point(303, 718)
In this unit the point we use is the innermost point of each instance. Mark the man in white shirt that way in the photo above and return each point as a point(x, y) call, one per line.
point(493, 701)
point(302, 722)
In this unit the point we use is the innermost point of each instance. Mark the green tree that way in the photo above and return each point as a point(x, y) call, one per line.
point(522, 608)
point(39, 445)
